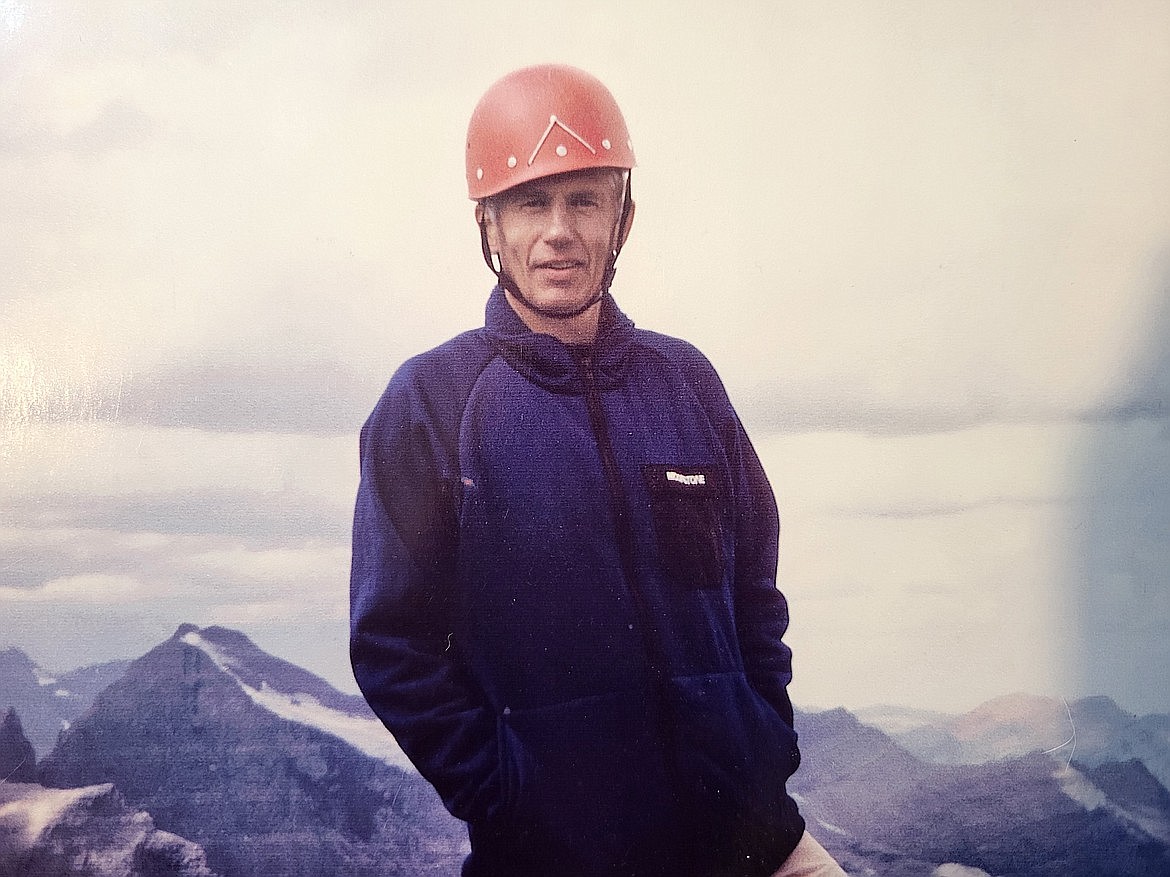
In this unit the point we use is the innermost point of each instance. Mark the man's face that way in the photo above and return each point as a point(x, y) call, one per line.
point(554, 235)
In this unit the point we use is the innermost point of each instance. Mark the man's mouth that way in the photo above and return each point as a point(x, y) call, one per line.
point(560, 264)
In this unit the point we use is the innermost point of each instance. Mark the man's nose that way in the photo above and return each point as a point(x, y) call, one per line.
point(560, 223)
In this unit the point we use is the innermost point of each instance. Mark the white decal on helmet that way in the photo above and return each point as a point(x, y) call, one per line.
point(554, 122)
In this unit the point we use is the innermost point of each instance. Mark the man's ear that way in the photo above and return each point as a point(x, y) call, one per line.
point(483, 218)
point(629, 223)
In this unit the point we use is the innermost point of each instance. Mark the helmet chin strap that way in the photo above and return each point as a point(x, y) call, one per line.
point(507, 282)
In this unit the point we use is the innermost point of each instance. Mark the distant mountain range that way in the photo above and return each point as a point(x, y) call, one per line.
point(875, 805)
point(208, 756)
point(46, 703)
point(1093, 731)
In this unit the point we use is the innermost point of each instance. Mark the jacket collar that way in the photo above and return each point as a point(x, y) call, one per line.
point(549, 362)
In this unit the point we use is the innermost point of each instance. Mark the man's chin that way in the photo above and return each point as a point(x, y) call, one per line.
point(559, 303)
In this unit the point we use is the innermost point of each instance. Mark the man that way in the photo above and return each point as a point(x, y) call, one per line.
point(563, 591)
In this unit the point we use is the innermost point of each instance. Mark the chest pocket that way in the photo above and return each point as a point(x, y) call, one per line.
point(687, 504)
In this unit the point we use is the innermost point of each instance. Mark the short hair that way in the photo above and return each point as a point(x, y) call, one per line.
point(616, 175)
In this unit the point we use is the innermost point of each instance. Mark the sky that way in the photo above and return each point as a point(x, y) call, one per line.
point(926, 244)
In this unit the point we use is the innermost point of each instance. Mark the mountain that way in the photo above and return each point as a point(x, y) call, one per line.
point(18, 761)
point(81, 686)
point(45, 703)
point(1092, 731)
point(269, 770)
point(89, 831)
point(263, 764)
point(876, 806)
point(920, 732)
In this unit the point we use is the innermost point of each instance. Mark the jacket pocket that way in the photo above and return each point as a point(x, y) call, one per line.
point(686, 503)
point(734, 756)
point(588, 785)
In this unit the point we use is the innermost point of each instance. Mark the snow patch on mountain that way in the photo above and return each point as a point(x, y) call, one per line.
point(835, 829)
point(219, 657)
point(44, 679)
point(1074, 784)
point(1089, 795)
point(367, 735)
point(954, 869)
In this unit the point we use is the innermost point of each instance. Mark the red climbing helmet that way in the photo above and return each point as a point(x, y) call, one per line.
point(543, 120)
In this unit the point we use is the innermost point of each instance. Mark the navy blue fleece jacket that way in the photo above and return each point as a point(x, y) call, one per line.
point(563, 604)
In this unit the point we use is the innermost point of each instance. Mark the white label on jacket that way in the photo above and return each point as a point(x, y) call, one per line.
point(690, 480)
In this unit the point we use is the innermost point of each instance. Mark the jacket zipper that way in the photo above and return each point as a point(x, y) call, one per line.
point(660, 711)
point(619, 508)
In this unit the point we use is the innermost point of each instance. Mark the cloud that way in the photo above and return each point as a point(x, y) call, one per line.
point(890, 245)
point(314, 395)
point(118, 124)
point(255, 518)
point(280, 611)
point(275, 565)
point(933, 403)
point(36, 557)
point(92, 588)
point(941, 507)
point(84, 471)
point(188, 576)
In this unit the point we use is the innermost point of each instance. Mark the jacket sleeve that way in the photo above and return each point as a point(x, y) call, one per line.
point(404, 656)
point(761, 612)
point(760, 608)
